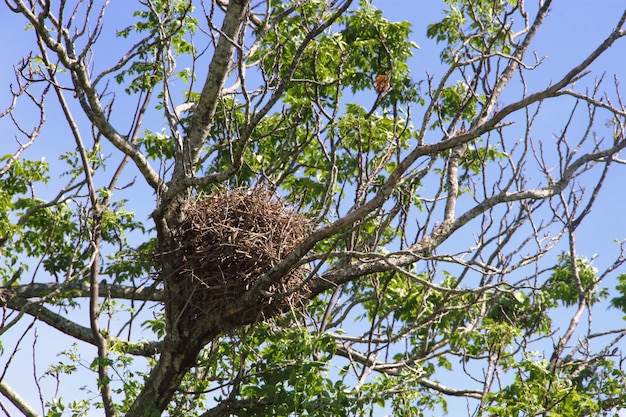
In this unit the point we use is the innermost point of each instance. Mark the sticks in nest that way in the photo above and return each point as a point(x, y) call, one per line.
point(228, 240)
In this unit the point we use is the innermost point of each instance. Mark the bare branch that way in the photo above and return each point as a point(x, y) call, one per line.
point(17, 400)
point(77, 331)
point(36, 290)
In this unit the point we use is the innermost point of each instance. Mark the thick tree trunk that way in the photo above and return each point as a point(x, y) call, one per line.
point(181, 344)
point(185, 336)
point(176, 359)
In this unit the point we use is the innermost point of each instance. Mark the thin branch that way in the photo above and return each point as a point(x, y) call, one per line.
point(398, 368)
point(87, 94)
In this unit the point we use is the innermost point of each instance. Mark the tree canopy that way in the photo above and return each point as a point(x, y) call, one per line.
point(235, 208)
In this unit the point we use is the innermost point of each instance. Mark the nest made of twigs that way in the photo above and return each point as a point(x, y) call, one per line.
point(227, 241)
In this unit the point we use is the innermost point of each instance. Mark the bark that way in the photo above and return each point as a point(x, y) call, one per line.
point(177, 358)
point(82, 289)
point(17, 401)
point(185, 337)
point(70, 328)
point(202, 118)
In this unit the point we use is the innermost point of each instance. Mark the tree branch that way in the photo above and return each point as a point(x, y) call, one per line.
point(396, 176)
point(397, 368)
point(202, 118)
point(82, 290)
point(77, 331)
point(85, 91)
point(17, 401)
point(191, 181)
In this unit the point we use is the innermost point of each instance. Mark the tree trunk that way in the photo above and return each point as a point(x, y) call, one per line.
point(184, 339)
point(176, 359)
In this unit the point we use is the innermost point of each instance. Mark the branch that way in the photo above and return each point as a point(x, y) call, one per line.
point(514, 63)
point(142, 348)
point(191, 181)
point(396, 176)
point(202, 118)
point(573, 75)
point(82, 290)
point(423, 249)
point(453, 183)
point(396, 369)
point(85, 91)
point(36, 130)
point(17, 401)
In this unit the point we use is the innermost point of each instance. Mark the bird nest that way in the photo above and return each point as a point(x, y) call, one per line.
point(227, 241)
